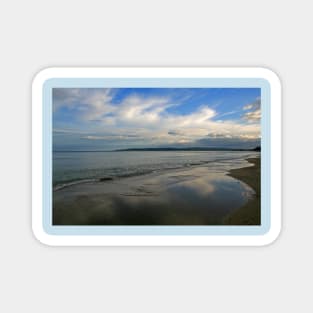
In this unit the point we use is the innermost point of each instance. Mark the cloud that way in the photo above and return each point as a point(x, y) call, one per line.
point(253, 116)
point(148, 119)
point(58, 131)
point(241, 142)
point(111, 137)
point(254, 108)
point(248, 107)
point(138, 111)
point(88, 104)
point(173, 133)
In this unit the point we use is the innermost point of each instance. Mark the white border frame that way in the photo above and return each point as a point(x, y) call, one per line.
point(156, 240)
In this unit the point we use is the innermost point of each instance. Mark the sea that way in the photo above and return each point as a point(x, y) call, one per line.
point(80, 167)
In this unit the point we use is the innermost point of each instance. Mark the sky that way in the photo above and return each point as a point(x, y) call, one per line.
point(123, 118)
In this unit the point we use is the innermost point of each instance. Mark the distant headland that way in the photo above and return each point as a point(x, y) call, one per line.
point(258, 148)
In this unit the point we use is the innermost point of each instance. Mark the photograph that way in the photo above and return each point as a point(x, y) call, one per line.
point(156, 156)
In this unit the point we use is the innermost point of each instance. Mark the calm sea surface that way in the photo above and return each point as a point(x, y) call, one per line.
point(78, 167)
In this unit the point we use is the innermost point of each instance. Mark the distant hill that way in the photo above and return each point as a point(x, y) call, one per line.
point(258, 148)
point(189, 149)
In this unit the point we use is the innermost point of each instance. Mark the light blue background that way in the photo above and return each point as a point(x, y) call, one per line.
point(157, 83)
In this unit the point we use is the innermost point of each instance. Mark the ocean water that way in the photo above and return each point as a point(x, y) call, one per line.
point(71, 168)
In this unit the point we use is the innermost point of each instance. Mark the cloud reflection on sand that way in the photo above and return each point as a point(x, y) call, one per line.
point(195, 196)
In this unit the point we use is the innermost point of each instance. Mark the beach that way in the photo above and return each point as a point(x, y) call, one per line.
point(250, 213)
point(193, 195)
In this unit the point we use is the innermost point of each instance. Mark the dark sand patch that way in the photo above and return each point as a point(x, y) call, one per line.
point(250, 213)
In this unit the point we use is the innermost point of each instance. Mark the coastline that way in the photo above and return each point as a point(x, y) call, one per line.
point(250, 213)
point(190, 196)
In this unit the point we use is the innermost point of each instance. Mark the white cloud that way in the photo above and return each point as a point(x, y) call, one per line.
point(112, 137)
point(68, 131)
point(137, 111)
point(254, 114)
point(90, 103)
point(147, 118)
point(248, 107)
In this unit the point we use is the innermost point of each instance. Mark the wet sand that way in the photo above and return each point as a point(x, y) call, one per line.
point(250, 213)
point(193, 196)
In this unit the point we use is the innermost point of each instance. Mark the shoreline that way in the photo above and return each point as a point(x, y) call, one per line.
point(65, 184)
point(250, 213)
point(190, 196)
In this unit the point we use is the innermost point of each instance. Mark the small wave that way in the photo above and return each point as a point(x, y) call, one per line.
point(72, 183)
point(135, 173)
point(101, 179)
point(119, 173)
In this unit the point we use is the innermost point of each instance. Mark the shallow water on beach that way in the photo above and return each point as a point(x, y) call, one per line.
point(82, 167)
point(194, 196)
